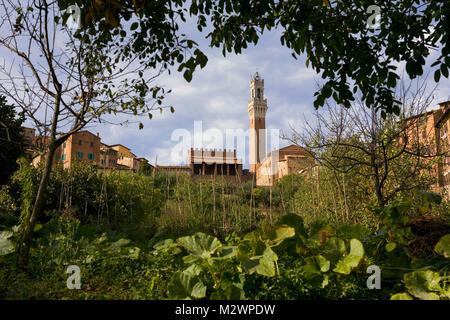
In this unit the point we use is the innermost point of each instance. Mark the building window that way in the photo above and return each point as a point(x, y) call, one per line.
point(90, 156)
point(63, 157)
point(80, 155)
point(80, 142)
point(64, 145)
point(56, 157)
point(92, 144)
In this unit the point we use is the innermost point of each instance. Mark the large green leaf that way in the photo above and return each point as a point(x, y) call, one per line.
point(274, 236)
point(421, 284)
point(200, 244)
point(259, 258)
point(183, 285)
point(316, 264)
point(6, 245)
point(401, 296)
point(227, 252)
point(352, 260)
point(333, 250)
point(231, 287)
point(443, 246)
point(295, 221)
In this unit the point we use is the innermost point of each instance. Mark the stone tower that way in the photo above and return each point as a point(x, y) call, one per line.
point(257, 108)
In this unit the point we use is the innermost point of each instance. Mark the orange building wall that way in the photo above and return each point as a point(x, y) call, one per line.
point(90, 144)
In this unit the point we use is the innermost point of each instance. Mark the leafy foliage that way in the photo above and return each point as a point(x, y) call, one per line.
point(12, 142)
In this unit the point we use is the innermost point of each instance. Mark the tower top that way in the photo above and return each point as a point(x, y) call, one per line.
point(256, 77)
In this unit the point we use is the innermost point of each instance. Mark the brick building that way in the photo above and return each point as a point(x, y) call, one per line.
point(430, 132)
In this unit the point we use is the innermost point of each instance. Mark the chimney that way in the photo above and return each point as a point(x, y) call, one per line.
point(98, 134)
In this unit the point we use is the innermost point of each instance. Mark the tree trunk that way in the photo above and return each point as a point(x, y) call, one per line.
point(28, 230)
point(378, 188)
point(27, 236)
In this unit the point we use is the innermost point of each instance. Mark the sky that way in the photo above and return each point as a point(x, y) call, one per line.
point(217, 97)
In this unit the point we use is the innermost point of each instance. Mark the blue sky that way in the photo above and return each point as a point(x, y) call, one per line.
point(219, 93)
point(218, 96)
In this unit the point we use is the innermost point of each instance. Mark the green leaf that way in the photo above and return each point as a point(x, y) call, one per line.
point(333, 249)
point(227, 253)
point(437, 75)
point(183, 286)
point(133, 253)
point(200, 244)
point(231, 287)
point(118, 244)
point(420, 284)
point(6, 245)
point(443, 246)
point(390, 246)
point(352, 260)
point(193, 270)
point(401, 296)
point(275, 236)
point(187, 75)
point(295, 221)
point(316, 264)
point(260, 259)
point(134, 26)
point(444, 70)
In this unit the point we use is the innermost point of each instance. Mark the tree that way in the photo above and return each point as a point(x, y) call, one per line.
point(145, 168)
point(340, 38)
point(149, 30)
point(64, 79)
point(359, 141)
point(12, 142)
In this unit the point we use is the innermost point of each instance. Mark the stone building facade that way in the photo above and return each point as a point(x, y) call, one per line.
point(125, 157)
point(279, 163)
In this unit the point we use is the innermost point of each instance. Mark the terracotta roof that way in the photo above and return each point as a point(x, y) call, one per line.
point(119, 144)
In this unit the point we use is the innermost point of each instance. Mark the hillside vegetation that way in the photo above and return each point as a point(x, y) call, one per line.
point(166, 236)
